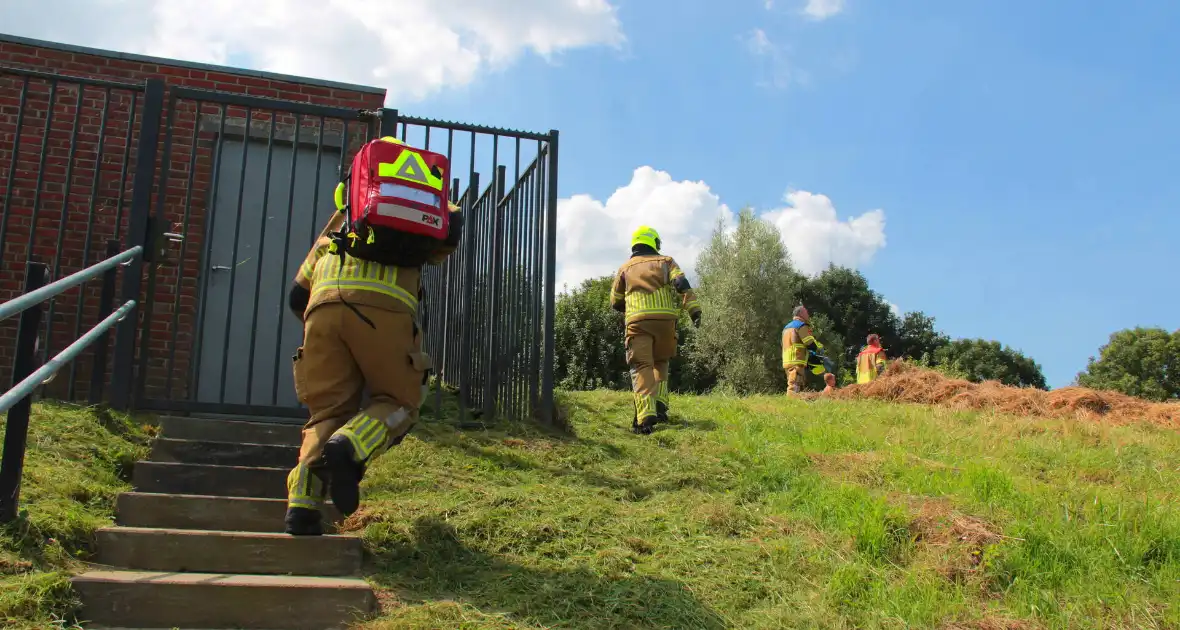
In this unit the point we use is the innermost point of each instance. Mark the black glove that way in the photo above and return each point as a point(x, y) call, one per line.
point(297, 299)
point(696, 319)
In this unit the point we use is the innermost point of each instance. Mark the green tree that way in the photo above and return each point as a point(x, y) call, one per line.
point(854, 309)
point(747, 290)
point(917, 339)
point(979, 360)
point(1143, 362)
point(589, 339)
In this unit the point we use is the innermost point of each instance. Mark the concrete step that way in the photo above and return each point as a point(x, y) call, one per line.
point(205, 479)
point(224, 453)
point(247, 432)
point(181, 511)
point(183, 550)
point(148, 599)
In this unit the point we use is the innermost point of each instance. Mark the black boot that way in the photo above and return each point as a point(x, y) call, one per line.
point(661, 412)
point(345, 473)
point(303, 521)
point(645, 427)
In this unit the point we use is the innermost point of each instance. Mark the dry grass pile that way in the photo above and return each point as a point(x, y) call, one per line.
point(905, 382)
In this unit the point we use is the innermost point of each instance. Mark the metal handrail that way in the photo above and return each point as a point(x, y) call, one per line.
point(17, 401)
point(49, 370)
point(53, 289)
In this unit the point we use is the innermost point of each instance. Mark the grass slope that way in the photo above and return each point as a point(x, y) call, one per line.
point(77, 462)
point(767, 512)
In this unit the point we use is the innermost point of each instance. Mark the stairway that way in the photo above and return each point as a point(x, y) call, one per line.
point(199, 543)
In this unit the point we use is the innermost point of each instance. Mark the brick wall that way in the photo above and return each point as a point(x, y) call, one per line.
point(99, 129)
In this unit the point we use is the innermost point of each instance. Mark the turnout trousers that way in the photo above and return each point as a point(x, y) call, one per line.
point(341, 356)
point(650, 345)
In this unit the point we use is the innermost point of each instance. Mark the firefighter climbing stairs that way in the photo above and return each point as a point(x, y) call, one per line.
point(199, 542)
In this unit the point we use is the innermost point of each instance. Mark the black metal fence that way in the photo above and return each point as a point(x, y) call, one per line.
point(67, 158)
point(239, 188)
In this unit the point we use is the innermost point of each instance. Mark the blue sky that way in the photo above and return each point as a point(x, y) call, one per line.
point(1021, 152)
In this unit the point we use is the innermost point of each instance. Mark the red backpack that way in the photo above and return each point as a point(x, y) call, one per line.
point(397, 210)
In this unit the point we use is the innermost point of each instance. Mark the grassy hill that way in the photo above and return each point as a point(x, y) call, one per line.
point(77, 463)
point(761, 512)
point(766, 512)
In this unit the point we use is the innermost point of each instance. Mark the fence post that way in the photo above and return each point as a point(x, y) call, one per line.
point(98, 374)
point(137, 234)
point(495, 312)
point(16, 431)
point(547, 407)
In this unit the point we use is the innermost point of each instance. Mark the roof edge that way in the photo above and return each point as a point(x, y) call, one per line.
point(164, 61)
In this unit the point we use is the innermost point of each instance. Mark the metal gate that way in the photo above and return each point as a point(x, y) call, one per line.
point(239, 188)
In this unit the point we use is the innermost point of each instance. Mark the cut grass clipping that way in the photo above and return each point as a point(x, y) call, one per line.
point(767, 512)
point(77, 462)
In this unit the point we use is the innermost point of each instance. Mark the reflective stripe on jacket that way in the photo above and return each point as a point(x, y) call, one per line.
point(645, 286)
point(796, 337)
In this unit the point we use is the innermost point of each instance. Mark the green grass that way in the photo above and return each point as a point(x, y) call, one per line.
point(766, 512)
point(761, 512)
point(78, 461)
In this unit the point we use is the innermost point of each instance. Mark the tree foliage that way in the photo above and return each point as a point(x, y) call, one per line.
point(747, 290)
point(979, 360)
point(1143, 362)
point(589, 339)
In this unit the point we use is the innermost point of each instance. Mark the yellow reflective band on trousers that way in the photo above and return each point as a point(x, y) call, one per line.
point(659, 302)
point(359, 275)
point(304, 490)
point(662, 396)
point(366, 434)
point(645, 406)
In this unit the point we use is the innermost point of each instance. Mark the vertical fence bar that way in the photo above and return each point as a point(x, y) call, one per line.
point(141, 198)
point(550, 281)
point(206, 257)
point(61, 228)
point(126, 158)
point(467, 286)
point(16, 431)
point(274, 393)
point(102, 131)
point(493, 313)
point(178, 288)
point(20, 119)
point(270, 141)
point(98, 373)
point(233, 263)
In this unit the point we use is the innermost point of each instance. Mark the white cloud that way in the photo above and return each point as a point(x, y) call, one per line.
point(816, 236)
point(593, 237)
point(414, 48)
point(823, 9)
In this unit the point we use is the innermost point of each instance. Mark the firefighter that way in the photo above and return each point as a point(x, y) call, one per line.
point(797, 339)
point(651, 290)
point(360, 331)
point(870, 363)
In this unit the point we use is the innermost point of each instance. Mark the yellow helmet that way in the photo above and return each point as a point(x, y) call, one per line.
point(645, 235)
point(392, 139)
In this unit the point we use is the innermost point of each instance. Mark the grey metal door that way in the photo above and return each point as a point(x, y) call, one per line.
point(246, 325)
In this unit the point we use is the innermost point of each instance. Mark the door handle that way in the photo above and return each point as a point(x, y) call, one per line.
point(220, 268)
